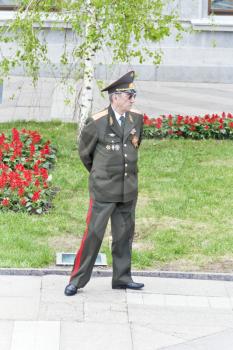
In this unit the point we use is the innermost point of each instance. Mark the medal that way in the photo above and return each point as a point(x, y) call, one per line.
point(135, 141)
point(133, 131)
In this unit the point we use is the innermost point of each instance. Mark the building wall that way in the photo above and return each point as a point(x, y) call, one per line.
point(203, 56)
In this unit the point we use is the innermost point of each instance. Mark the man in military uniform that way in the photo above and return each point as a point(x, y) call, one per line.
point(108, 148)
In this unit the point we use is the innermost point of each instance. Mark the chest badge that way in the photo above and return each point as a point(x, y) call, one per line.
point(134, 138)
point(133, 131)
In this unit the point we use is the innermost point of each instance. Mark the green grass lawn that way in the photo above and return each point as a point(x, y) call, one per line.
point(184, 215)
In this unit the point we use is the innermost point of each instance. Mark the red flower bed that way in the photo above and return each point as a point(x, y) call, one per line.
point(196, 127)
point(25, 161)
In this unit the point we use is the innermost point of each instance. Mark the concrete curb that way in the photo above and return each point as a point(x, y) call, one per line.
point(107, 273)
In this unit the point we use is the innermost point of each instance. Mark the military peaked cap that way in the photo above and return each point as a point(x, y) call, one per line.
point(124, 84)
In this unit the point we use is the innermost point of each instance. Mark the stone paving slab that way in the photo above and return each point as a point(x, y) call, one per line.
point(222, 340)
point(105, 313)
point(6, 331)
point(53, 311)
point(147, 338)
point(167, 300)
point(179, 315)
point(229, 289)
point(36, 335)
point(186, 286)
point(19, 308)
point(20, 286)
point(95, 335)
point(168, 313)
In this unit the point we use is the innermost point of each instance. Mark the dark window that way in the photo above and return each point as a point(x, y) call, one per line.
point(8, 5)
point(221, 7)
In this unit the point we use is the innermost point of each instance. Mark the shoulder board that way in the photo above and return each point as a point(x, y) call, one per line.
point(100, 114)
point(135, 111)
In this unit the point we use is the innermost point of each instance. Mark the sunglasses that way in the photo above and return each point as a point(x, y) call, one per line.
point(131, 95)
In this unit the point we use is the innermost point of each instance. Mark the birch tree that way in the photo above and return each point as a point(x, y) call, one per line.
point(124, 27)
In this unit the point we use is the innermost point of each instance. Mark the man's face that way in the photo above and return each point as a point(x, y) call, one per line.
point(125, 101)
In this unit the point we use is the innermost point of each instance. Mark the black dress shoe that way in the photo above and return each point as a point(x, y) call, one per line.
point(130, 285)
point(70, 290)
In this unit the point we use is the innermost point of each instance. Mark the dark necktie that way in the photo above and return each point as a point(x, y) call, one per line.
point(122, 119)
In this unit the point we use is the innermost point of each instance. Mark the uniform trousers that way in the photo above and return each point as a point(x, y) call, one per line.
point(122, 216)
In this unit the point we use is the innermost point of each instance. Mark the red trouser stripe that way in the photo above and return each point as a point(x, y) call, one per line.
point(80, 251)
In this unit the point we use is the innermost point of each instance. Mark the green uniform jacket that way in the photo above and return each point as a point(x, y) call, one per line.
point(110, 155)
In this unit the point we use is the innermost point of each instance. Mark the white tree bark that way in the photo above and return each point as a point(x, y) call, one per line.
point(86, 96)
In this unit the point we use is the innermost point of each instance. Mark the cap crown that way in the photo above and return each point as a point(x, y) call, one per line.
point(123, 84)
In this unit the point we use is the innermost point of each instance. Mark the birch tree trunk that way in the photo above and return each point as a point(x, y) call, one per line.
point(86, 96)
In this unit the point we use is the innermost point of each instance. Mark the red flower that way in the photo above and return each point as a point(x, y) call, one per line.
point(5, 202)
point(45, 185)
point(32, 150)
point(25, 169)
point(27, 175)
point(146, 120)
point(21, 191)
point(19, 167)
point(37, 183)
point(179, 119)
point(6, 147)
point(231, 124)
point(36, 196)
point(45, 150)
point(35, 136)
point(23, 201)
point(44, 173)
point(207, 127)
point(2, 139)
point(3, 179)
point(15, 135)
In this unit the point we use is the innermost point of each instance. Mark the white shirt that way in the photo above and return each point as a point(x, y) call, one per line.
point(117, 115)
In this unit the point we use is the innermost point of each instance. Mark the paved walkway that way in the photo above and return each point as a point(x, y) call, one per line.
point(158, 98)
point(169, 314)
